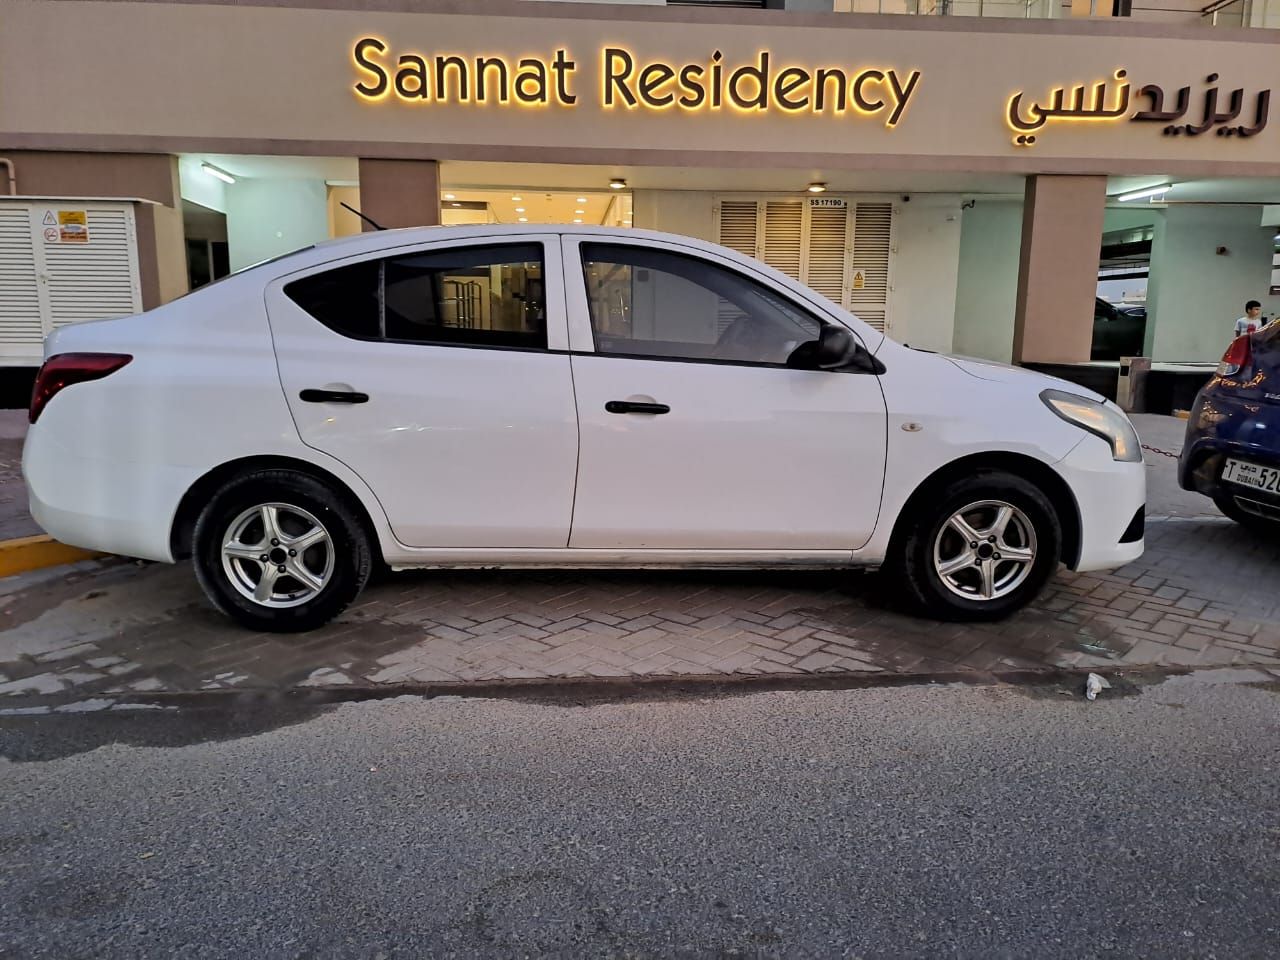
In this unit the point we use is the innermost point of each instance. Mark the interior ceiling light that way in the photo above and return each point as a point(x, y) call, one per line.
point(582, 200)
point(617, 183)
point(817, 188)
point(516, 199)
point(450, 196)
point(213, 171)
point(455, 204)
point(519, 209)
point(579, 211)
point(524, 219)
point(1144, 193)
point(577, 219)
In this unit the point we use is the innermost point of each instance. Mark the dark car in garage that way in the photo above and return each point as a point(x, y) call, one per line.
point(1119, 330)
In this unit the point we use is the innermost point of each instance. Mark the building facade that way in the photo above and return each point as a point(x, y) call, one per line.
point(972, 175)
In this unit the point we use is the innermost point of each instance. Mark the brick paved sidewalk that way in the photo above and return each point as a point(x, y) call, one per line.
point(1204, 594)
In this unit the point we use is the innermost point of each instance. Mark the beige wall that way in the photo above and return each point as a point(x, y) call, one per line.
point(1058, 273)
point(137, 175)
point(400, 193)
point(279, 79)
point(342, 222)
point(690, 213)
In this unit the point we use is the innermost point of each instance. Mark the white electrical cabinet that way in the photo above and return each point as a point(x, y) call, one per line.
point(62, 261)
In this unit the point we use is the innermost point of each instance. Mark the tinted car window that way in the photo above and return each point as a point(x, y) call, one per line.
point(345, 299)
point(478, 296)
point(652, 303)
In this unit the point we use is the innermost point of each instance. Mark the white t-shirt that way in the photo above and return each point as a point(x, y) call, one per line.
point(1248, 325)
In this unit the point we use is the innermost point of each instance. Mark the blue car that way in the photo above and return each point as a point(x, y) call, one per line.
point(1232, 448)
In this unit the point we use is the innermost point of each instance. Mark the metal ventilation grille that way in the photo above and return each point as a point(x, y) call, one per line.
point(95, 280)
point(20, 321)
point(828, 251)
point(876, 319)
point(783, 236)
point(738, 226)
point(869, 287)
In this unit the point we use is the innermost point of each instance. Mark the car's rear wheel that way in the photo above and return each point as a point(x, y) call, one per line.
point(280, 551)
point(978, 548)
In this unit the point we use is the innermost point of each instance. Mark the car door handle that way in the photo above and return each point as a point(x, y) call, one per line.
point(333, 396)
point(631, 406)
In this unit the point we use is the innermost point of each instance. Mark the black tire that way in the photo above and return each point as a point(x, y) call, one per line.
point(1250, 521)
point(909, 570)
point(348, 544)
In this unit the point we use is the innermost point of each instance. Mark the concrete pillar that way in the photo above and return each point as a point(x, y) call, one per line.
point(1058, 269)
point(162, 256)
point(400, 193)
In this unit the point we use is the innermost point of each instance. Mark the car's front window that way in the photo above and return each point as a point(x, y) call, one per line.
point(654, 303)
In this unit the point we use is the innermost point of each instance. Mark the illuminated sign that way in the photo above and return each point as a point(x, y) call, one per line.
point(1101, 106)
point(624, 82)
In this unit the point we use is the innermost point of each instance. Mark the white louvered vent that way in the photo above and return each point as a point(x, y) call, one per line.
point(869, 286)
point(60, 262)
point(783, 236)
point(739, 226)
point(21, 326)
point(828, 251)
point(98, 279)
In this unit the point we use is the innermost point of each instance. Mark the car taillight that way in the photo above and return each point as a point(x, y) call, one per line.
point(1238, 356)
point(67, 368)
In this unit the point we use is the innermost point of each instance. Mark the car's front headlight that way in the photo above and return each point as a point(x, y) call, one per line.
point(1104, 419)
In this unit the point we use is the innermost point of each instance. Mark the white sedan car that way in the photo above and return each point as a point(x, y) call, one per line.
point(560, 397)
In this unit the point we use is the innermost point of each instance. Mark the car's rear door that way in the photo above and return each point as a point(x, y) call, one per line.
point(439, 374)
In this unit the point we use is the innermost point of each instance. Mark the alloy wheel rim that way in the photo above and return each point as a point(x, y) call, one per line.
point(277, 555)
point(985, 550)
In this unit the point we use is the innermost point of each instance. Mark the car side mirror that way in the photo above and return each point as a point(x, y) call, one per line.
point(835, 349)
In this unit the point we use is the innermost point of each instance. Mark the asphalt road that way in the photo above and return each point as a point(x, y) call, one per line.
point(975, 821)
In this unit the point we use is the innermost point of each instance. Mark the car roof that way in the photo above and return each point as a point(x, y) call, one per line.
point(375, 240)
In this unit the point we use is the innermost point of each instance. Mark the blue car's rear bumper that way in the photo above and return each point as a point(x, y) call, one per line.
point(1225, 425)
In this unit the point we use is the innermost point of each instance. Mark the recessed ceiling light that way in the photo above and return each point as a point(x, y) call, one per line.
point(577, 219)
point(581, 200)
point(449, 196)
point(524, 219)
point(617, 183)
point(627, 222)
point(817, 188)
point(516, 199)
point(455, 204)
point(519, 209)
point(579, 211)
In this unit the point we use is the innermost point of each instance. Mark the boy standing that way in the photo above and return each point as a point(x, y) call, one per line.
point(1250, 322)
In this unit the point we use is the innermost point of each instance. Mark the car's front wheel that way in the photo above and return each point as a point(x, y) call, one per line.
point(978, 548)
point(280, 552)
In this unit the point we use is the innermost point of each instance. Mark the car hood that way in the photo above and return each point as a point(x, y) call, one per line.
point(1007, 373)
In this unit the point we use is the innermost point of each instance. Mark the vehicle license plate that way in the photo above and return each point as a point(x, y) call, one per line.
point(1252, 475)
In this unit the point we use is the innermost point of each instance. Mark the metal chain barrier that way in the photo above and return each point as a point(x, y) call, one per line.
point(1163, 453)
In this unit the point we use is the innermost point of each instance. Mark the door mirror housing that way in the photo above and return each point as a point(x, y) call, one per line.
point(835, 349)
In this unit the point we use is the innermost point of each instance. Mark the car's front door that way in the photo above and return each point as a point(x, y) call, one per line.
point(695, 434)
point(439, 375)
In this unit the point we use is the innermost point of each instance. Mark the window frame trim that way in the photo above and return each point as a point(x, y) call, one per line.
point(552, 280)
